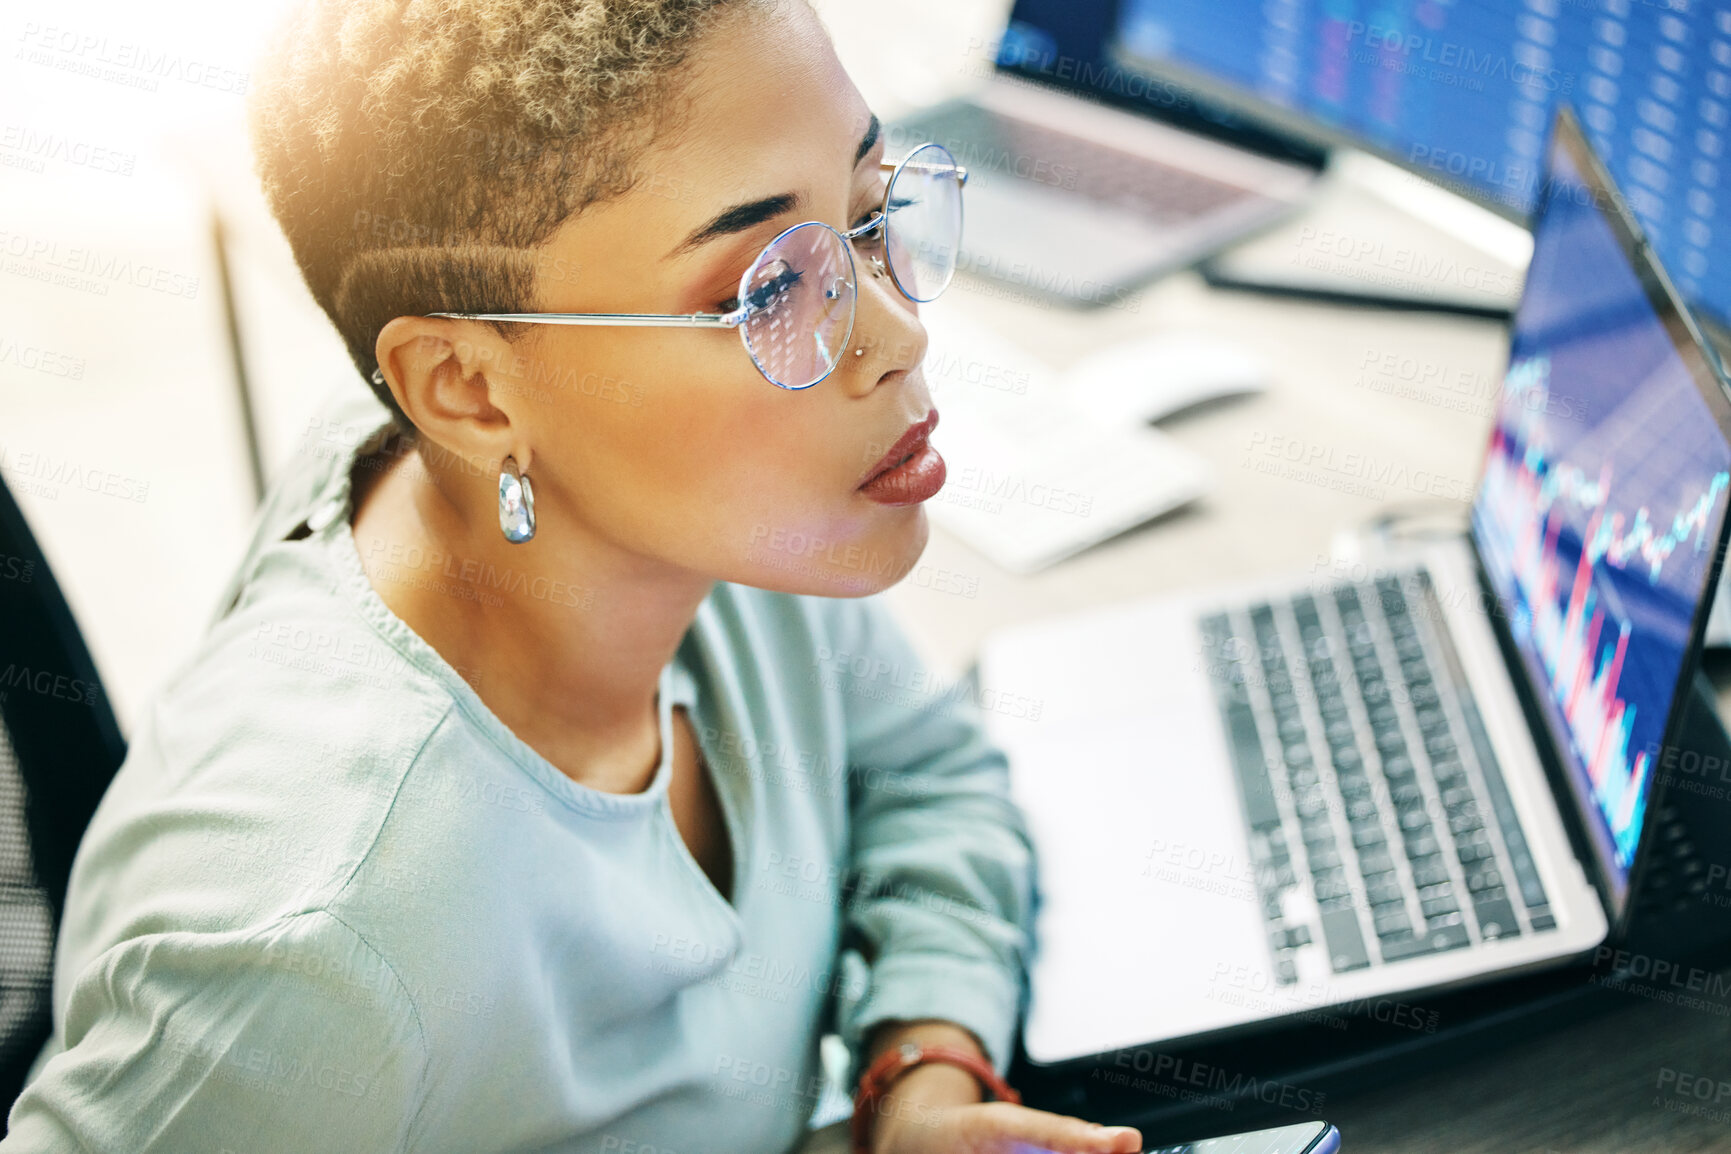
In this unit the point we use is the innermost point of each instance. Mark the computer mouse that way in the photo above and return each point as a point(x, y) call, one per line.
point(1151, 378)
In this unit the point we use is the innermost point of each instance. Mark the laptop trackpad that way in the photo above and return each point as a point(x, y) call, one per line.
point(1149, 915)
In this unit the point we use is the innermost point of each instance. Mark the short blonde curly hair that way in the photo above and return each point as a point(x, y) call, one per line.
point(416, 152)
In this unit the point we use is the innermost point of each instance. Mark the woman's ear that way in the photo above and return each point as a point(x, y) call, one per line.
point(440, 372)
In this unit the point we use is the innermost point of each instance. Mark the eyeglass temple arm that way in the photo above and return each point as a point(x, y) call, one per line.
point(961, 173)
point(654, 320)
point(699, 320)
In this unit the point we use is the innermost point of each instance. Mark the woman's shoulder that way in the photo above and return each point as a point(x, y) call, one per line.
point(296, 677)
point(257, 778)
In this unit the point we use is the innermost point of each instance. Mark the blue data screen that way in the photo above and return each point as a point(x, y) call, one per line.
point(1463, 91)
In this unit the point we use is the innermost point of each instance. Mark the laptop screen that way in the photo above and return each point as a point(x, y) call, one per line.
point(1602, 496)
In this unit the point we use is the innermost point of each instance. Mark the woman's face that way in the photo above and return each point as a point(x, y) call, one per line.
point(668, 441)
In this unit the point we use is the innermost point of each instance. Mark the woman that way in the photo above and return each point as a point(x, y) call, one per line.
point(542, 785)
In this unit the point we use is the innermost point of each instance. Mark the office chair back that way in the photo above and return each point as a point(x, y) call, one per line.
point(59, 748)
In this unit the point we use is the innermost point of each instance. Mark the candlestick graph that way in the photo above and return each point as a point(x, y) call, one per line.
point(1600, 575)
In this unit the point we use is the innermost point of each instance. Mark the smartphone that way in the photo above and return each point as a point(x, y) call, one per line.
point(1304, 1138)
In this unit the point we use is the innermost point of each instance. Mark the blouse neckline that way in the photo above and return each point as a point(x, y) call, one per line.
point(675, 686)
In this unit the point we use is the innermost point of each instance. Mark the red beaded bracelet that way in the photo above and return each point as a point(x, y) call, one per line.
point(898, 1060)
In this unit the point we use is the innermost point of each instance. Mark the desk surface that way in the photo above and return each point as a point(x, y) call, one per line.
point(1609, 1084)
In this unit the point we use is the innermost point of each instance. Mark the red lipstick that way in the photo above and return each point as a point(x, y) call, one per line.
point(911, 472)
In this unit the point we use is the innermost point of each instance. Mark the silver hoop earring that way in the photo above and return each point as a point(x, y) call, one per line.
point(516, 504)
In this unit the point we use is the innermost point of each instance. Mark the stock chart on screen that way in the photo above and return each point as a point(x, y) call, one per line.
point(1603, 491)
point(1463, 91)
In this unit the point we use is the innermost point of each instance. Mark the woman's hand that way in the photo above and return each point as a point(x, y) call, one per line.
point(997, 1128)
point(937, 1109)
point(1003, 1128)
point(930, 1111)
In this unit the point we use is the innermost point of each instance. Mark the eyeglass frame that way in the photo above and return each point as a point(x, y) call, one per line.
point(738, 316)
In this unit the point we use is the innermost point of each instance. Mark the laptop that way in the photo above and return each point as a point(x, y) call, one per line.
point(1086, 178)
point(1253, 804)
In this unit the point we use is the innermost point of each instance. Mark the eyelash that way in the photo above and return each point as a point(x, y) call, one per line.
point(732, 301)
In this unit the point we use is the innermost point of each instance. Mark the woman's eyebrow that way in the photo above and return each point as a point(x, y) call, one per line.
point(737, 219)
point(870, 138)
point(740, 217)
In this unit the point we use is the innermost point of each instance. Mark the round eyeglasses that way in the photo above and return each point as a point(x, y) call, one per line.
point(795, 308)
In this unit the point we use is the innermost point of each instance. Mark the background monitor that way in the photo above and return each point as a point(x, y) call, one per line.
point(1461, 91)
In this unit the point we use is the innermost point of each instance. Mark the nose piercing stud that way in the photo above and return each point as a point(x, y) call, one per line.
point(859, 352)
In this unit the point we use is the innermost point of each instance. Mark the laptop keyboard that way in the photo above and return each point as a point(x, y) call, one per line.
point(1381, 828)
point(990, 142)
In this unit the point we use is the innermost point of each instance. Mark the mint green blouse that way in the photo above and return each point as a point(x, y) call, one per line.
point(331, 903)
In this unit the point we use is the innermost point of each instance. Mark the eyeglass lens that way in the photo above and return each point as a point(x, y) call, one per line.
point(801, 295)
point(925, 222)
